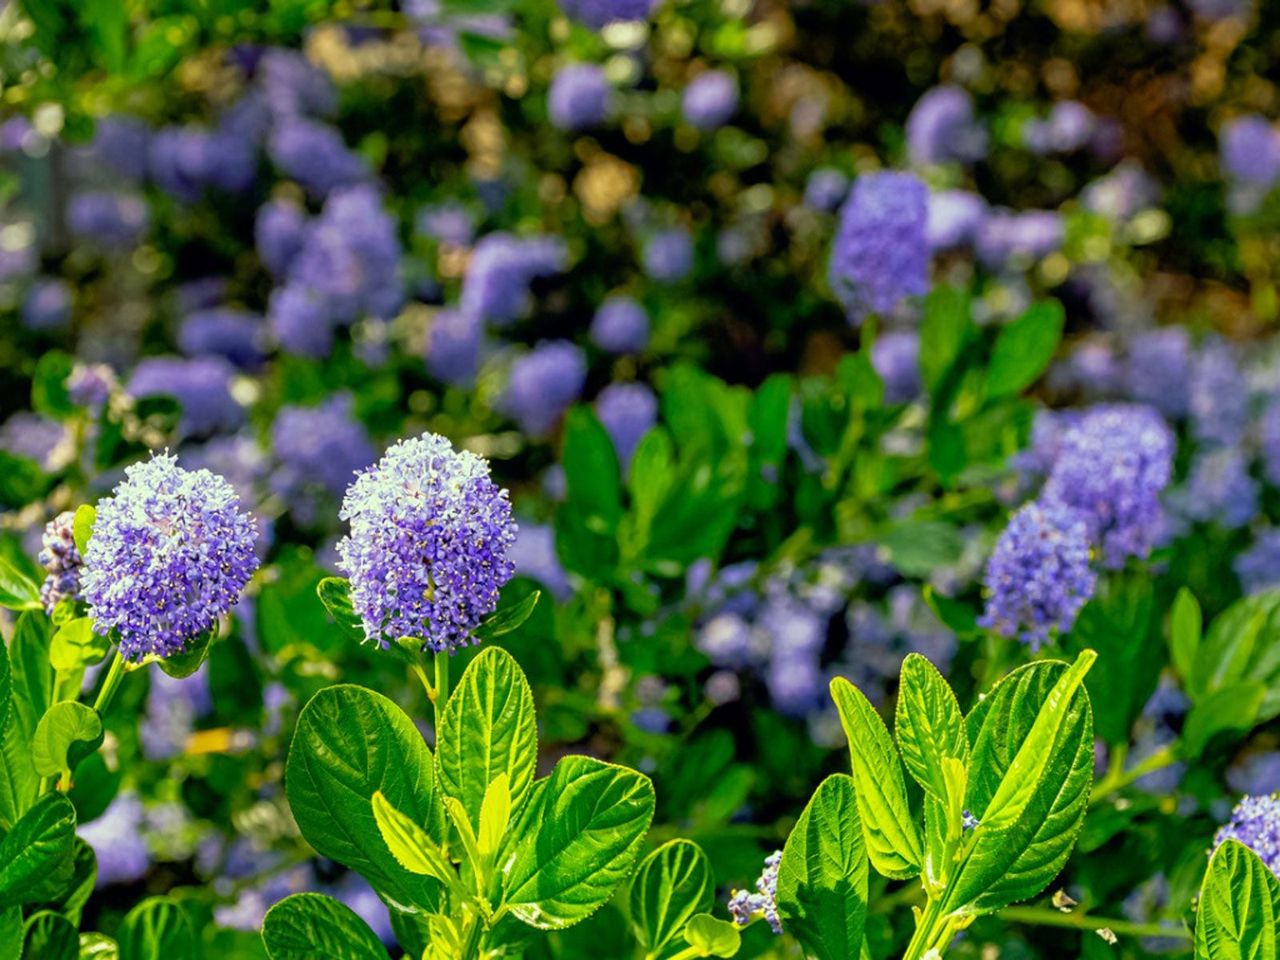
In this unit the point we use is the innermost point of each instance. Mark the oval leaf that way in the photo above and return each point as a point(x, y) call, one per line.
point(507, 619)
point(712, 937)
point(308, 925)
point(822, 879)
point(892, 837)
point(37, 857)
point(1239, 915)
point(576, 841)
point(672, 884)
point(929, 725)
point(66, 734)
point(335, 594)
point(75, 646)
point(50, 936)
point(156, 929)
point(488, 728)
point(351, 743)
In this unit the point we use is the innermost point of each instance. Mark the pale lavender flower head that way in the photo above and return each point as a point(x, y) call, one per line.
point(321, 450)
point(173, 705)
point(542, 385)
point(1255, 773)
point(448, 222)
point(1159, 368)
point(620, 325)
point(825, 189)
point(299, 321)
point(502, 268)
point(315, 155)
point(1255, 822)
point(47, 305)
point(233, 334)
point(201, 385)
point(627, 411)
point(453, 347)
point(1038, 577)
point(534, 555)
point(881, 256)
point(291, 84)
point(1219, 489)
point(121, 143)
point(955, 218)
point(1111, 468)
point(1068, 128)
point(117, 840)
point(1258, 568)
point(600, 13)
point(1008, 239)
point(1122, 192)
point(1250, 151)
point(90, 385)
point(710, 100)
point(171, 552)
point(942, 128)
point(1219, 398)
point(187, 161)
point(579, 97)
point(745, 906)
point(668, 255)
point(278, 233)
point(427, 552)
point(107, 218)
point(31, 435)
point(896, 357)
point(59, 556)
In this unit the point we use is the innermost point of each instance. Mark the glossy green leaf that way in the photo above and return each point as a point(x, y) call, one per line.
point(37, 857)
point(1233, 708)
point(575, 841)
point(98, 946)
point(335, 594)
point(351, 743)
point(592, 475)
point(507, 619)
point(488, 728)
point(495, 816)
point(711, 937)
point(1185, 630)
point(190, 658)
point(156, 929)
point(409, 843)
point(75, 646)
point(944, 330)
point(1239, 913)
point(71, 900)
point(929, 726)
point(66, 734)
point(50, 936)
point(17, 590)
point(892, 838)
point(1024, 348)
point(672, 884)
point(1030, 775)
point(822, 879)
point(32, 687)
point(305, 926)
point(11, 933)
point(86, 516)
point(1242, 645)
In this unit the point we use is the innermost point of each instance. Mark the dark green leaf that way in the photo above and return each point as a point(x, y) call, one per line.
point(918, 547)
point(17, 590)
point(37, 857)
point(1239, 914)
point(66, 734)
point(335, 594)
point(1024, 348)
point(1233, 708)
point(50, 936)
point(507, 619)
point(307, 925)
point(672, 884)
point(156, 929)
point(594, 483)
point(192, 657)
point(943, 332)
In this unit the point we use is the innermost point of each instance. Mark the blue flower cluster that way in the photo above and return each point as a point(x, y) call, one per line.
point(745, 906)
point(427, 551)
point(1255, 822)
point(171, 552)
point(60, 557)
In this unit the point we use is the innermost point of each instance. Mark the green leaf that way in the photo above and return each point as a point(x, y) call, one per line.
point(892, 838)
point(29, 654)
point(191, 658)
point(576, 840)
point(98, 946)
point(1231, 708)
point(37, 857)
point(307, 925)
point(11, 933)
point(1024, 349)
point(49, 394)
point(82, 526)
point(929, 725)
point(335, 594)
point(1030, 774)
point(822, 879)
point(1185, 629)
point(409, 843)
point(495, 816)
point(1242, 645)
point(943, 332)
point(75, 646)
point(918, 547)
point(351, 743)
point(672, 884)
point(156, 929)
point(1239, 914)
point(592, 476)
point(487, 728)
point(72, 899)
point(66, 734)
point(17, 590)
point(712, 937)
point(507, 619)
point(50, 936)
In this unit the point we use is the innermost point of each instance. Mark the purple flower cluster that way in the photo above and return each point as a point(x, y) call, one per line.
point(600, 13)
point(47, 305)
point(453, 347)
point(90, 385)
point(667, 255)
point(1009, 239)
point(427, 552)
point(188, 161)
point(620, 325)
point(942, 128)
point(233, 334)
point(1158, 369)
point(1258, 568)
point(1219, 489)
point(579, 97)
point(1111, 468)
point(314, 155)
point(201, 385)
point(955, 219)
point(1039, 576)
point(880, 255)
point(627, 411)
point(710, 100)
point(171, 552)
point(542, 384)
point(1069, 127)
point(745, 906)
point(1219, 401)
point(59, 556)
point(896, 358)
point(1255, 822)
point(112, 220)
point(320, 449)
point(502, 268)
point(278, 233)
point(825, 189)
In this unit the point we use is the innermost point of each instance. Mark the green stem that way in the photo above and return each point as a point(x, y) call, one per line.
point(1118, 778)
point(927, 931)
point(442, 688)
point(107, 692)
point(1045, 917)
point(471, 951)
